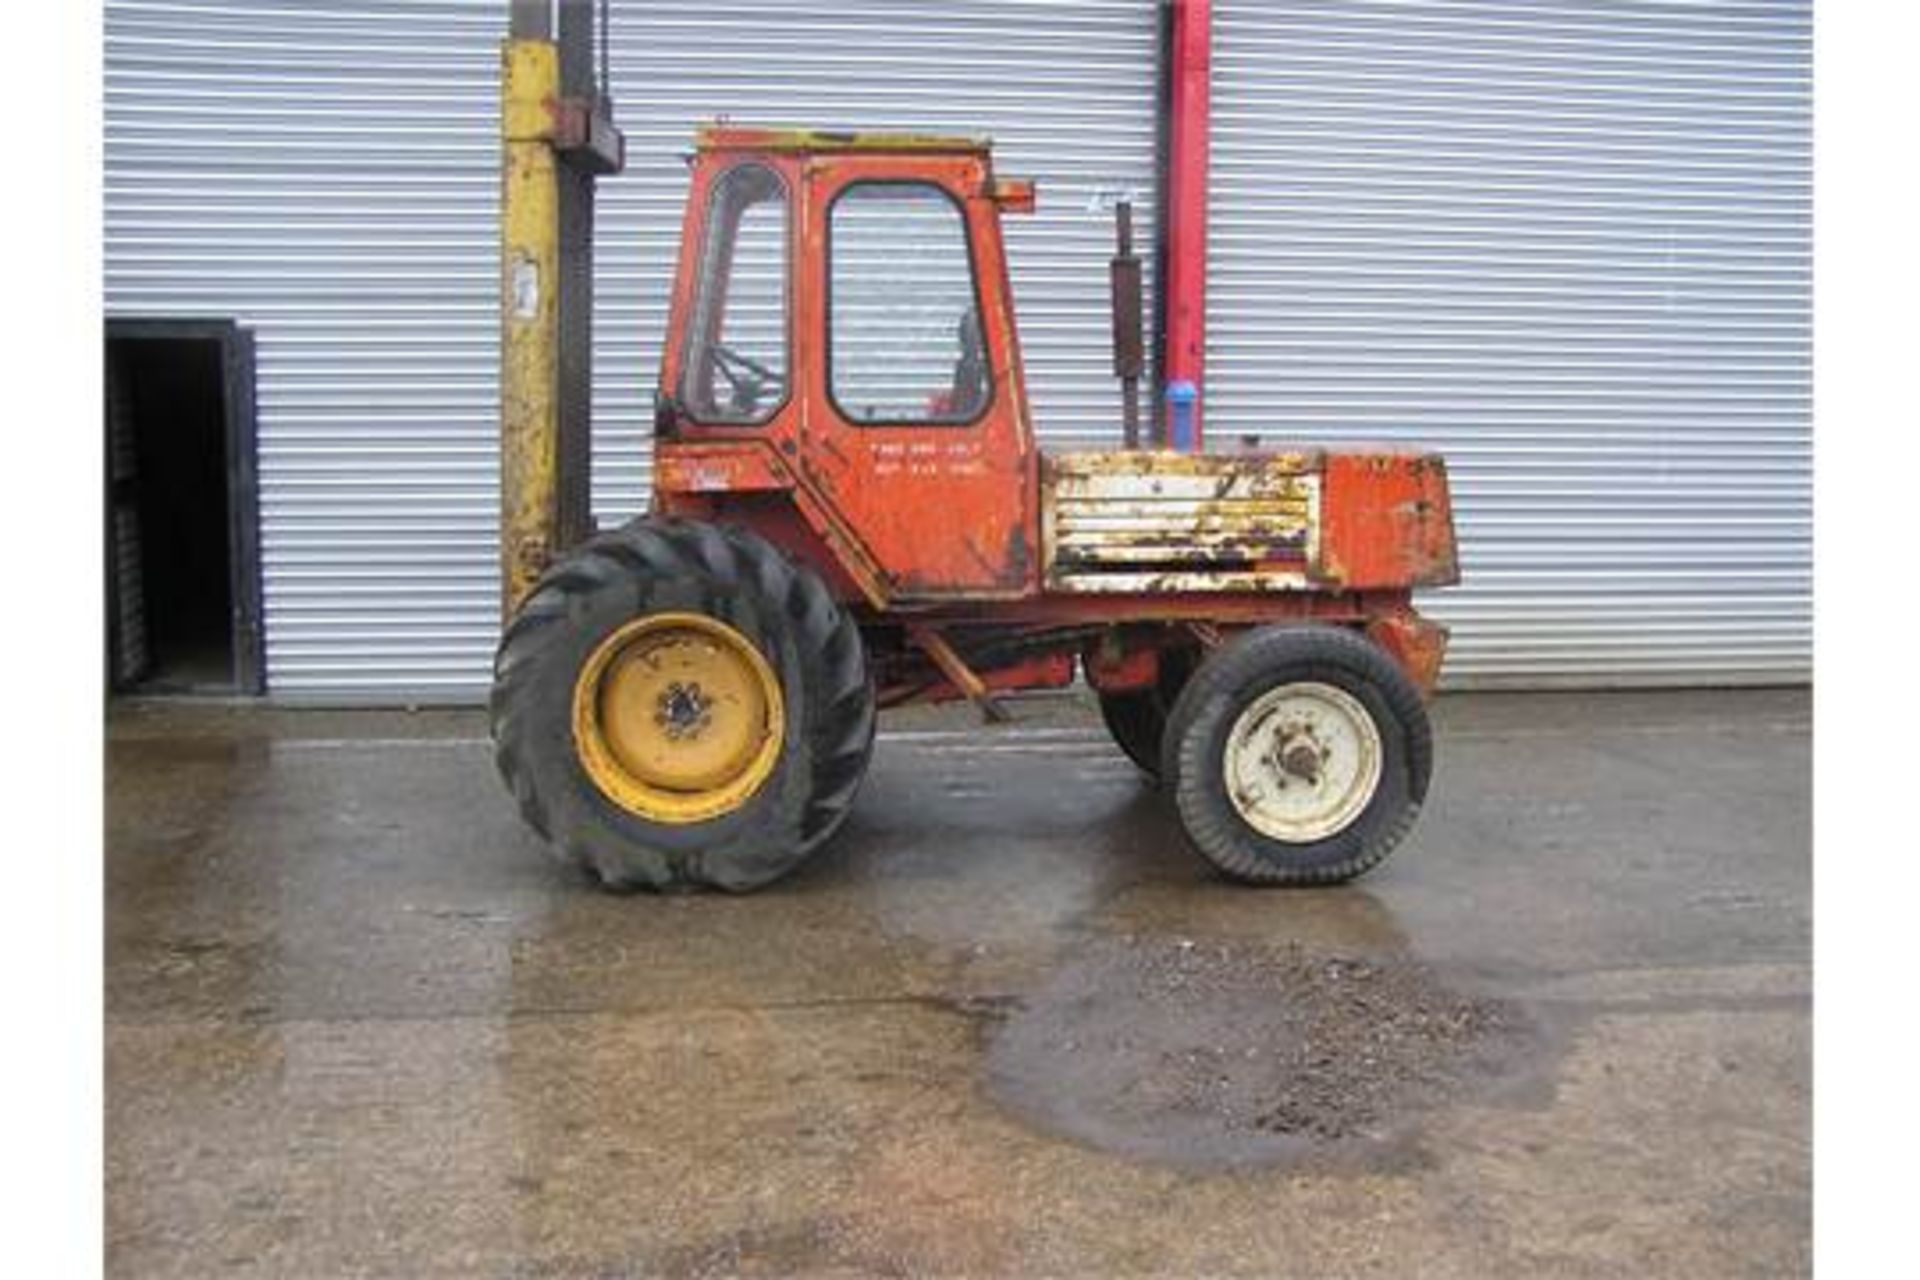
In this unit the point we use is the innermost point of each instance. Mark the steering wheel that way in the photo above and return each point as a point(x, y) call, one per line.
point(747, 376)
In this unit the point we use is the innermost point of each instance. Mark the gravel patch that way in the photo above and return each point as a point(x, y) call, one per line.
point(1205, 1053)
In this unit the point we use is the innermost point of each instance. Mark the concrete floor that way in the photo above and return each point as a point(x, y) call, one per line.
point(358, 1024)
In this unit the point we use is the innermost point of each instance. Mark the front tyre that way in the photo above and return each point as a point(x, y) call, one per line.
point(1297, 755)
point(680, 704)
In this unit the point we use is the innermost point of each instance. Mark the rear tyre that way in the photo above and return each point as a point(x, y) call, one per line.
point(1297, 755)
point(679, 704)
point(1137, 718)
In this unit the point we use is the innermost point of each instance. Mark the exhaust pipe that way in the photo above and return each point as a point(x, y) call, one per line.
point(1129, 355)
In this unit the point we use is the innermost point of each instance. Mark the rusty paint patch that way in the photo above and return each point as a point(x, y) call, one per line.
point(1019, 556)
point(1131, 521)
point(1416, 643)
point(1387, 521)
point(1206, 467)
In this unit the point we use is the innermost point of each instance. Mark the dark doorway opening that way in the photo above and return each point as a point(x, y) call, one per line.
point(182, 536)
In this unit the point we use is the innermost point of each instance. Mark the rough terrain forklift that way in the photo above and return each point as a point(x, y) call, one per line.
point(849, 513)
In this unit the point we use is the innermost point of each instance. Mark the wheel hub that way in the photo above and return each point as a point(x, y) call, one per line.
point(683, 710)
point(1303, 761)
point(1300, 756)
point(678, 718)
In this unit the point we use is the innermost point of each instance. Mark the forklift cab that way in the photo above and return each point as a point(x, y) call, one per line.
point(842, 330)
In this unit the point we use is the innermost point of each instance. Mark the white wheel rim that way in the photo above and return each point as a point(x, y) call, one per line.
point(1302, 762)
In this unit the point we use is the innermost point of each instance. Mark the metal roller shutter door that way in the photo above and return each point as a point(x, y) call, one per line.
point(1569, 244)
point(326, 173)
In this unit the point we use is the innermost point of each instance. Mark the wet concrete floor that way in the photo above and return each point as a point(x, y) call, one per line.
point(358, 1024)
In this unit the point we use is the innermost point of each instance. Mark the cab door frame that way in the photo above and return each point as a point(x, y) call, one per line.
point(945, 510)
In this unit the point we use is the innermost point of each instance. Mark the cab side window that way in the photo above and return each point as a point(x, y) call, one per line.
point(904, 342)
point(734, 366)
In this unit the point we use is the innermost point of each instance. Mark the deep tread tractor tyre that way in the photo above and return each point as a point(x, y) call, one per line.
point(1137, 718)
point(631, 649)
point(1297, 755)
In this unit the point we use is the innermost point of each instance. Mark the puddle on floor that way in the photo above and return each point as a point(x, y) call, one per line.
point(1226, 1055)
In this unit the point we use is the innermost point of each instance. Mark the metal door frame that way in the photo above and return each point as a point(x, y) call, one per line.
point(241, 433)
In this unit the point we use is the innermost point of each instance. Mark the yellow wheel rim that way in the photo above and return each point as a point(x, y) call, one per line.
point(678, 718)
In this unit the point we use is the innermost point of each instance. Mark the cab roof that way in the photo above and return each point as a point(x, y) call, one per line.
point(730, 137)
